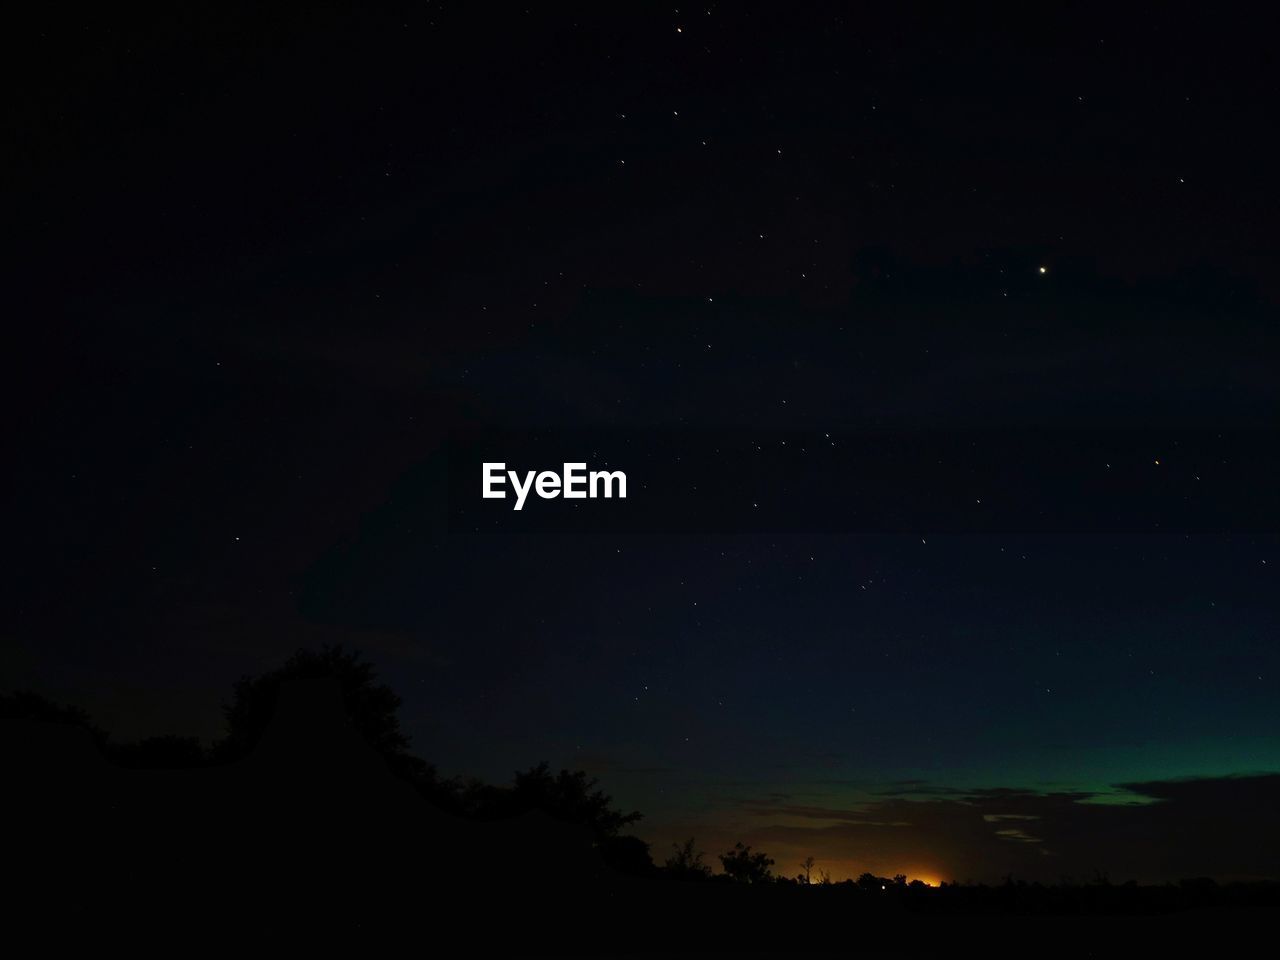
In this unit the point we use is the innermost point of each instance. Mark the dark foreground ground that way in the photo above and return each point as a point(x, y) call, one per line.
point(311, 843)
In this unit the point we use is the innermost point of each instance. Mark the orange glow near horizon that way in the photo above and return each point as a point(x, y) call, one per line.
point(841, 870)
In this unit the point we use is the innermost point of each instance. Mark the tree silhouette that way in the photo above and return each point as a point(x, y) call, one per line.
point(686, 863)
point(372, 707)
point(571, 796)
point(746, 867)
point(152, 752)
point(807, 863)
point(869, 881)
point(626, 854)
point(27, 705)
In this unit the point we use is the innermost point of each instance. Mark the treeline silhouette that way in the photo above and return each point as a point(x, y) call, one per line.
point(313, 805)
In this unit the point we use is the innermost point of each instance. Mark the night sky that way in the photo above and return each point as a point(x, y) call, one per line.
point(939, 352)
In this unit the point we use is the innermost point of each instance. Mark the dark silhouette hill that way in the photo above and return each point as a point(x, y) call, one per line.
point(312, 815)
point(310, 834)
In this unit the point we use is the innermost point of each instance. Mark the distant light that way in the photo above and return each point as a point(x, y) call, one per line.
point(1044, 269)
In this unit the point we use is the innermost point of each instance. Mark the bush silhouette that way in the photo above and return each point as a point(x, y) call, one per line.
point(372, 709)
point(27, 705)
point(742, 865)
point(536, 861)
point(686, 863)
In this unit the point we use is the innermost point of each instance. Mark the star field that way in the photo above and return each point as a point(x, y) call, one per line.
point(939, 352)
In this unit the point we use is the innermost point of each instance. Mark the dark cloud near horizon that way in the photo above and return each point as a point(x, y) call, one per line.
point(1165, 831)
